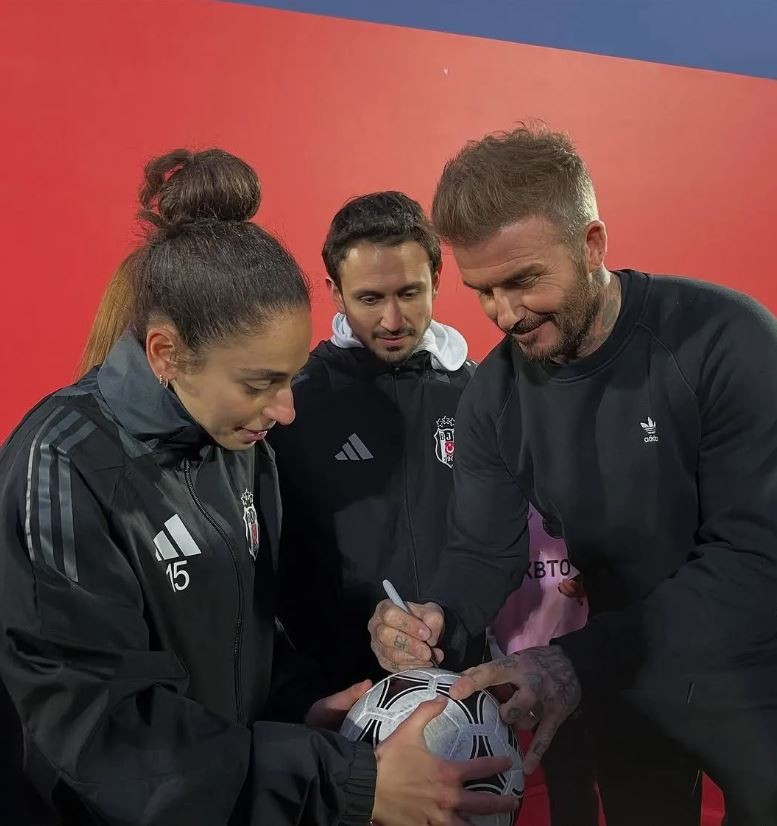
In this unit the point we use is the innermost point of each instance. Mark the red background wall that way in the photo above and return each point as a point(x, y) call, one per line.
point(326, 109)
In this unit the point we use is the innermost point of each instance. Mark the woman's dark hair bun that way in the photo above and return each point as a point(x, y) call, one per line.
point(184, 187)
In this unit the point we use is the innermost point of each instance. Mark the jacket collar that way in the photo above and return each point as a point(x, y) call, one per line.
point(144, 408)
point(446, 346)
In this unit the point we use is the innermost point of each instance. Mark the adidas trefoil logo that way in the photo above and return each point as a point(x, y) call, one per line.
point(650, 430)
point(354, 450)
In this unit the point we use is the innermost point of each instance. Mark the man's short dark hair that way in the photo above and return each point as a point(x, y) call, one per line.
point(389, 218)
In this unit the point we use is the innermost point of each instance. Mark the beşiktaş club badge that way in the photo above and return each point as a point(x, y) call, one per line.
point(443, 440)
point(251, 522)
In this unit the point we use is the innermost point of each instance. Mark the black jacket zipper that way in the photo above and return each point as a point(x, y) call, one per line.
point(240, 601)
point(413, 559)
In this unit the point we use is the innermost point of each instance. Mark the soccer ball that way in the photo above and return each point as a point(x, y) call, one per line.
point(465, 729)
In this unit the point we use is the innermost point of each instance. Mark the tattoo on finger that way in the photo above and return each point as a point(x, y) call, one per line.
point(401, 642)
point(539, 745)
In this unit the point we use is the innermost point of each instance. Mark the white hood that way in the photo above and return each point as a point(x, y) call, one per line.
point(446, 346)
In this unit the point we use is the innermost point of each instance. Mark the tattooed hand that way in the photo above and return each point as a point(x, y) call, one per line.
point(545, 692)
point(402, 641)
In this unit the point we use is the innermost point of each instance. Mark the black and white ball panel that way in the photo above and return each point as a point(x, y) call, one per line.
point(465, 729)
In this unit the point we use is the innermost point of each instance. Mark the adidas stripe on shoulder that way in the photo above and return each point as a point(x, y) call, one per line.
point(48, 518)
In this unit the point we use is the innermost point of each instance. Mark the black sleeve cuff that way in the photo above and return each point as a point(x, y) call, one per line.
point(360, 787)
point(455, 642)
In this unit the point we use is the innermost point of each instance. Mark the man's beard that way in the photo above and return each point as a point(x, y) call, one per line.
point(573, 320)
point(400, 354)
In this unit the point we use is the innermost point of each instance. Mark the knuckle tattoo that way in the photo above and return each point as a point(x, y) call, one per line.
point(401, 642)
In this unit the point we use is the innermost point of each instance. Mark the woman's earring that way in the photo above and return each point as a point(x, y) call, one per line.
point(164, 381)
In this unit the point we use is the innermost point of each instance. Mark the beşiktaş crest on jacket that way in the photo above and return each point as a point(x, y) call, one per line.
point(365, 472)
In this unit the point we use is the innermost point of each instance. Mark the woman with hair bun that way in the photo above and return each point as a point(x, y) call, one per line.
point(139, 522)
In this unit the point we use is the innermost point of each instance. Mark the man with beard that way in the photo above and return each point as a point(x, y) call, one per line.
point(366, 468)
point(637, 414)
